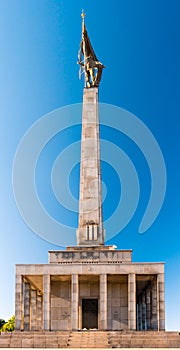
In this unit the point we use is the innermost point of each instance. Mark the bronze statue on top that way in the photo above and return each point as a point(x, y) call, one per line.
point(92, 67)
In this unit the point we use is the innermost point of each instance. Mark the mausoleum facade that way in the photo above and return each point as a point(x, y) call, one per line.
point(89, 288)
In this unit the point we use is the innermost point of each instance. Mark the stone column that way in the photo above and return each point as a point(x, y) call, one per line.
point(103, 302)
point(33, 309)
point(154, 324)
point(132, 301)
point(39, 312)
point(74, 301)
point(46, 302)
point(137, 316)
point(18, 302)
point(140, 315)
point(139, 321)
point(148, 308)
point(143, 312)
point(27, 289)
point(109, 307)
point(160, 279)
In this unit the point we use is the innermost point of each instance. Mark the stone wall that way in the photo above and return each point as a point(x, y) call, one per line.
point(117, 297)
point(60, 305)
point(89, 289)
point(117, 305)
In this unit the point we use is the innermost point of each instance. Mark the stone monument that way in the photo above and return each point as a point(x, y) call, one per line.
point(91, 285)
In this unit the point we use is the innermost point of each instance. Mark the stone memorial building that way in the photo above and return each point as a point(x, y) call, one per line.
point(90, 285)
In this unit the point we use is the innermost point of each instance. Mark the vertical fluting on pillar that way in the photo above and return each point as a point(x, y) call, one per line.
point(161, 318)
point(18, 302)
point(74, 302)
point(33, 309)
point(27, 303)
point(154, 323)
point(103, 302)
point(90, 228)
point(132, 301)
point(39, 311)
point(46, 301)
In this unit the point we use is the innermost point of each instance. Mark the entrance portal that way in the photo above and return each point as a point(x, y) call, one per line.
point(90, 313)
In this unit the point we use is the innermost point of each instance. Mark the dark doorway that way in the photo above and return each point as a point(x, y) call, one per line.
point(89, 313)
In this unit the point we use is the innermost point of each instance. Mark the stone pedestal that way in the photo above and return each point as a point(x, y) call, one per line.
point(63, 288)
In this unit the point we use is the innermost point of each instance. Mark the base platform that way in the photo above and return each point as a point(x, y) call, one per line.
point(90, 339)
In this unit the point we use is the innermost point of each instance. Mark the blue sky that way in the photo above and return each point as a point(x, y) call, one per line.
point(138, 42)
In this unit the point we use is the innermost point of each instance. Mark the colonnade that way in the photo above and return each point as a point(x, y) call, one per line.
point(150, 308)
point(28, 306)
point(33, 307)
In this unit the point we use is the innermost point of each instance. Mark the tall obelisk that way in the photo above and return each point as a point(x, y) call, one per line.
point(90, 228)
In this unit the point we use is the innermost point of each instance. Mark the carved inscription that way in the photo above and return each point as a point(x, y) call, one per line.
point(91, 255)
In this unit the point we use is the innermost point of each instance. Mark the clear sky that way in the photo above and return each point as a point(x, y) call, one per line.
point(138, 42)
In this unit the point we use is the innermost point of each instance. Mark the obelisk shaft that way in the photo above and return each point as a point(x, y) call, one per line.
point(90, 229)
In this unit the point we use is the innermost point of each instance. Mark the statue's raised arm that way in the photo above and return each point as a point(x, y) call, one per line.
point(89, 64)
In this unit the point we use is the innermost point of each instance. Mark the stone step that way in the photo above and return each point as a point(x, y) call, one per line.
point(34, 339)
point(144, 339)
point(90, 339)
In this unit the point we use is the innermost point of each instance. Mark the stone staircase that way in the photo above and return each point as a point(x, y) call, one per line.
point(90, 339)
